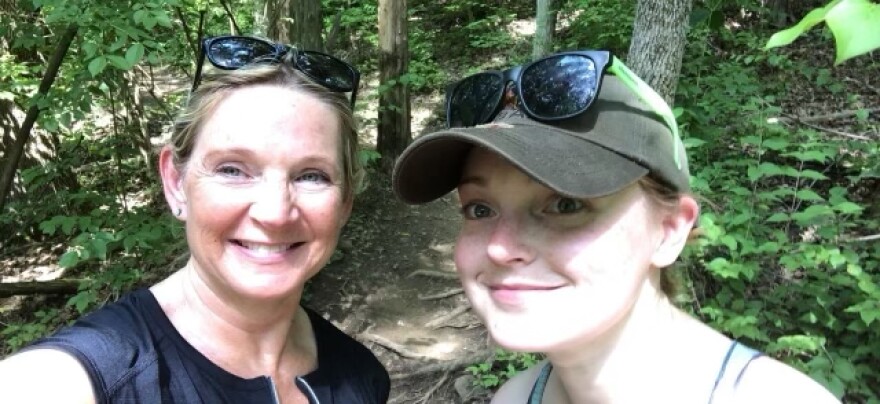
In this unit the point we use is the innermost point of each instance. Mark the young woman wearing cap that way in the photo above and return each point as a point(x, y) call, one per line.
point(261, 168)
point(573, 205)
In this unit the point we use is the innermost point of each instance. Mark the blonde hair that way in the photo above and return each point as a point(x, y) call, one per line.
point(216, 85)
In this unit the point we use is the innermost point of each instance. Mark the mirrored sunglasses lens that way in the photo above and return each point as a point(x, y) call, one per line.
point(233, 53)
point(474, 100)
point(326, 70)
point(560, 86)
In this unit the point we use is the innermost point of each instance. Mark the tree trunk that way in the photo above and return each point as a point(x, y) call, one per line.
point(14, 154)
point(260, 17)
point(277, 12)
point(307, 24)
point(658, 43)
point(545, 26)
point(394, 103)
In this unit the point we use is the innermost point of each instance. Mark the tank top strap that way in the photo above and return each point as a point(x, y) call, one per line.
point(537, 394)
point(732, 368)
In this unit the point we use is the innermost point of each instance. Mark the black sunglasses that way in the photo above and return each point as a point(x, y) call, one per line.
point(231, 52)
point(553, 88)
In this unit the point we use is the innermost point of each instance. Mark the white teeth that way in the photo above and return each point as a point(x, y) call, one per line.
point(265, 249)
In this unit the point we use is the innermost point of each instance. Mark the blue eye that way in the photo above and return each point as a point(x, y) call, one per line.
point(474, 211)
point(314, 177)
point(564, 205)
point(230, 171)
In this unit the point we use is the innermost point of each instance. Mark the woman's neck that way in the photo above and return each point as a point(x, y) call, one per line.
point(247, 338)
point(627, 361)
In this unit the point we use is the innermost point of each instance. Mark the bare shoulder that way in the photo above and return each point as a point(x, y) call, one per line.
point(767, 380)
point(44, 376)
point(517, 389)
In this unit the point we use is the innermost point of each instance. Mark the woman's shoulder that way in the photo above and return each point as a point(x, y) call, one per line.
point(767, 380)
point(519, 387)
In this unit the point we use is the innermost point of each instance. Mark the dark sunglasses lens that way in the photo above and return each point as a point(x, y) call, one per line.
point(235, 52)
point(560, 86)
point(326, 70)
point(474, 100)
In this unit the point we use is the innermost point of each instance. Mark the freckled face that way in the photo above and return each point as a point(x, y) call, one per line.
point(547, 272)
point(263, 192)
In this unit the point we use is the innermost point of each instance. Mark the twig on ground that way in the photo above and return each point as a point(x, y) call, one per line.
point(393, 346)
point(438, 322)
point(864, 238)
point(442, 295)
point(825, 117)
point(435, 274)
point(434, 388)
point(834, 131)
point(446, 366)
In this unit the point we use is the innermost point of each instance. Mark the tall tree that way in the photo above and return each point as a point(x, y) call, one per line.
point(545, 26)
point(394, 103)
point(307, 24)
point(658, 42)
point(277, 12)
point(24, 133)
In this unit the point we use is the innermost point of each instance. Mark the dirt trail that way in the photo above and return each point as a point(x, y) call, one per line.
point(395, 289)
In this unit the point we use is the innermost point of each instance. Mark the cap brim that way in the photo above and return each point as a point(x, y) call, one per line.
point(570, 165)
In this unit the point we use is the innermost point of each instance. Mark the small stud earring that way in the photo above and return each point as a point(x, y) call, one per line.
point(179, 212)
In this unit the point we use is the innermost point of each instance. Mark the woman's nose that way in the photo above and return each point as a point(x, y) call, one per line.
point(274, 203)
point(509, 243)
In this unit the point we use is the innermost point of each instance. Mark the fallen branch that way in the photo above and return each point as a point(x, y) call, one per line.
point(54, 287)
point(438, 322)
point(825, 117)
point(864, 238)
point(393, 346)
point(834, 131)
point(442, 295)
point(446, 366)
point(435, 274)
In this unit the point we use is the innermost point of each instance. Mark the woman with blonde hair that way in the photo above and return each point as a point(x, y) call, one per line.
point(261, 168)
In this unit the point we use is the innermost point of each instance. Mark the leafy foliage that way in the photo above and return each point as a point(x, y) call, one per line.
point(501, 368)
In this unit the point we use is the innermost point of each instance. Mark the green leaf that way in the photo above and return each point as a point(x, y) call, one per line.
point(809, 195)
point(69, 259)
point(847, 208)
point(777, 143)
point(778, 217)
point(91, 48)
point(162, 18)
point(693, 142)
point(856, 28)
point(788, 36)
point(97, 65)
point(119, 62)
point(134, 53)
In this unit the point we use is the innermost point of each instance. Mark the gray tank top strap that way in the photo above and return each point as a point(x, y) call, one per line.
point(537, 393)
point(735, 363)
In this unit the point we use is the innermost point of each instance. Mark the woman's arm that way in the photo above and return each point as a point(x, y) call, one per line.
point(44, 376)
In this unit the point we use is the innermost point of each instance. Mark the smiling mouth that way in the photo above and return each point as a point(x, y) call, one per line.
point(267, 249)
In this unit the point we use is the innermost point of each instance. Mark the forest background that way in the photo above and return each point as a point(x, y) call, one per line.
point(783, 146)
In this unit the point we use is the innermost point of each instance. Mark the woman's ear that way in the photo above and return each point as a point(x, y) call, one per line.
point(172, 183)
point(676, 226)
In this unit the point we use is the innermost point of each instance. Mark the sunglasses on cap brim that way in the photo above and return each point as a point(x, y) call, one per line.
point(553, 88)
point(233, 52)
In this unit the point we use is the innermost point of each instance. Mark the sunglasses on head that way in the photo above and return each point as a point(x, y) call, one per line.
point(552, 88)
point(233, 52)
